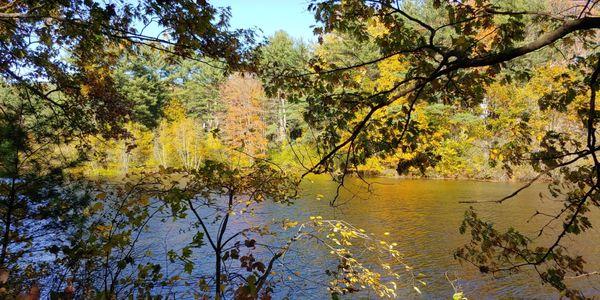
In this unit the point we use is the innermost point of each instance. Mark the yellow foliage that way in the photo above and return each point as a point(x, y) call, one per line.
point(244, 126)
point(391, 70)
point(179, 141)
point(174, 111)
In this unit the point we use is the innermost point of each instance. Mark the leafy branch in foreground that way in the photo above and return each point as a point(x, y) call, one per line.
point(511, 250)
point(64, 51)
point(222, 201)
point(452, 52)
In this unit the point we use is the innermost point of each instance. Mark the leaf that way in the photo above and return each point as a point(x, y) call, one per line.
point(289, 224)
point(188, 267)
point(198, 240)
point(144, 200)
point(235, 254)
point(186, 252)
point(417, 289)
point(259, 266)
point(250, 243)
point(252, 284)
point(98, 206)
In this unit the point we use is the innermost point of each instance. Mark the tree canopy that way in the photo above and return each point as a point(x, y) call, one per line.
point(451, 53)
point(63, 51)
point(117, 116)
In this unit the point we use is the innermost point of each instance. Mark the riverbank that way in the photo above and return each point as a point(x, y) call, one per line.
point(518, 177)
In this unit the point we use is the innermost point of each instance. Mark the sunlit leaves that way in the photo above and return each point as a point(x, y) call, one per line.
point(344, 241)
point(244, 124)
point(69, 48)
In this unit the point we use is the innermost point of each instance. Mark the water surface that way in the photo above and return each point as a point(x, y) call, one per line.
point(423, 217)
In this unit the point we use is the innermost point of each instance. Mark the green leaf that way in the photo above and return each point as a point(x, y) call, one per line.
point(188, 267)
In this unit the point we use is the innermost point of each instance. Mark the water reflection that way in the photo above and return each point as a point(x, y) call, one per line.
point(423, 217)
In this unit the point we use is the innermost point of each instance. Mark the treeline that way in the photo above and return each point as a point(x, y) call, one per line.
point(203, 126)
point(191, 111)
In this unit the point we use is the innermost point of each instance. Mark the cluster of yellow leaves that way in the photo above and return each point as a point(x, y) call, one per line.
point(342, 239)
point(391, 70)
point(467, 148)
point(509, 102)
point(179, 141)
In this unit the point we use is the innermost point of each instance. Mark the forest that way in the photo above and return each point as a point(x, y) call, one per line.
point(150, 150)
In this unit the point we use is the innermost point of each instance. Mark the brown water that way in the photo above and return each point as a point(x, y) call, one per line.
point(423, 217)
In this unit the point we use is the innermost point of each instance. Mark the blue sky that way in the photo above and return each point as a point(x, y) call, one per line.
point(271, 16)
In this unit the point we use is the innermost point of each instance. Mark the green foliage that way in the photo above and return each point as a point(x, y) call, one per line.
point(459, 87)
point(281, 57)
point(425, 88)
point(92, 36)
point(37, 198)
point(142, 78)
point(103, 254)
point(194, 85)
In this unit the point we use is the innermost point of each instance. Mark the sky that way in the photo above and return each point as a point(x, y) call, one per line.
point(271, 16)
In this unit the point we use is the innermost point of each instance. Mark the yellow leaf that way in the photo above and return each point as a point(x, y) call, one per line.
point(144, 200)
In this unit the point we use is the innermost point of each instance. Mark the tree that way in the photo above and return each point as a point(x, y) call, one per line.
point(220, 194)
point(59, 58)
point(143, 80)
point(451, 59)
point(103, 257)
point(194, 85)
point(222, 189)
point(36, 36)
point(244, 118)
point(39, 203)
point(280, 56)
point(182, 141)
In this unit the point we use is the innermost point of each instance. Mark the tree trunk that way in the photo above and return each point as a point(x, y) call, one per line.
point(220, 245)
point(282, 118)
point(218, 274)
point(12, 198)
point(8, 222)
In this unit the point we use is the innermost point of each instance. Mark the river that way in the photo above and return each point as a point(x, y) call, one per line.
point(423, 217)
